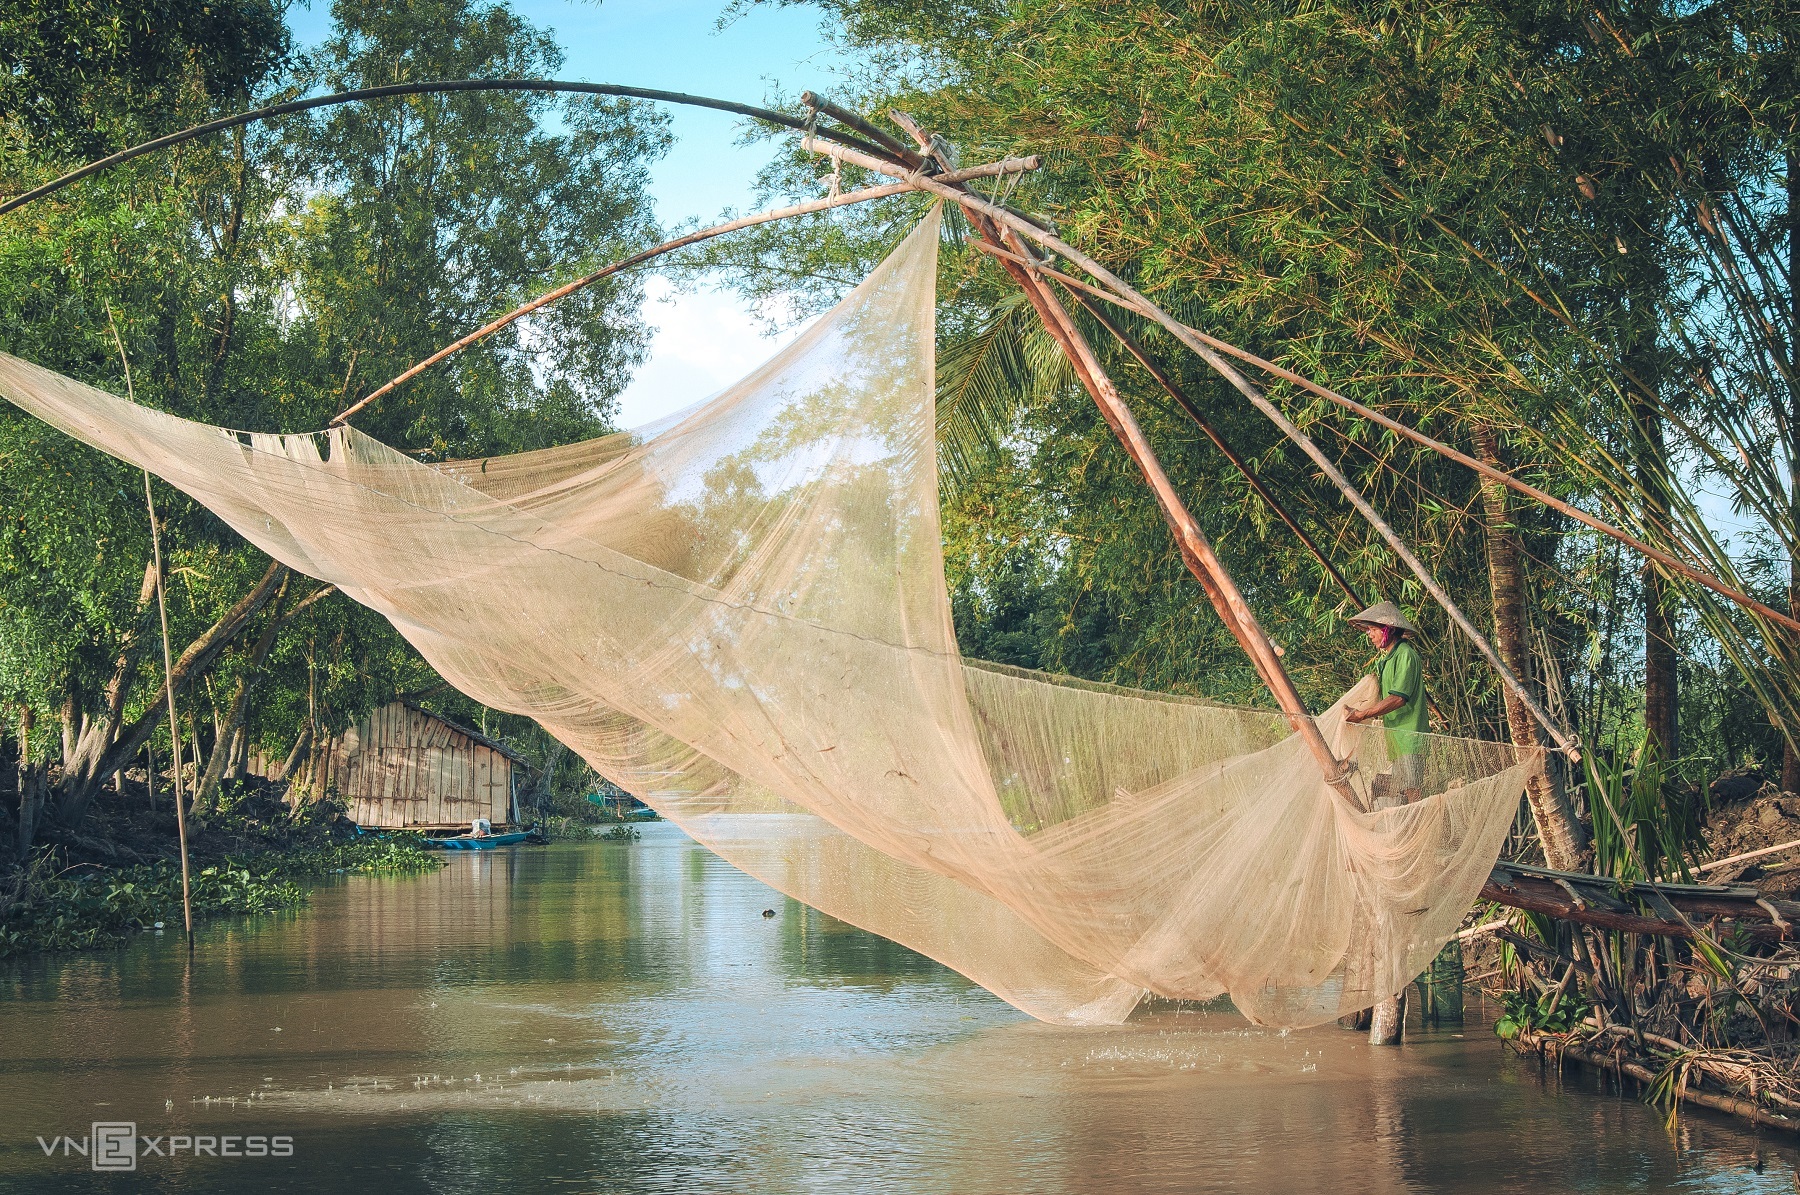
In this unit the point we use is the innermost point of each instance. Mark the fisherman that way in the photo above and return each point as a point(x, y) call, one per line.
point(1402, 705)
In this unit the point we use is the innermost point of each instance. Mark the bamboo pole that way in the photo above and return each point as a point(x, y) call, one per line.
point(907, 156)
point(987, 170)
point(1196, 551)
point(437, 87)
point(1716, 864)
point(1193, 412)
point(1564, 739)
point(162, 609)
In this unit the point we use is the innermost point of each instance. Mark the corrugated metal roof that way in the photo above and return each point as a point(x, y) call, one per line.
point(470, 733)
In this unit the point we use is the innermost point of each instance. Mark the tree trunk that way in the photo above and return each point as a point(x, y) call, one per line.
point(1660, 662)
point(225, 741)
point(1651, 465)
point(71, 711)
point(1387, 1020)
point(98, 734)
point(290, 767)
point(540, 792)
point(239, 767)
point(31, 785)
point(1790, 759)
point(199, 656)
point(1564, 837)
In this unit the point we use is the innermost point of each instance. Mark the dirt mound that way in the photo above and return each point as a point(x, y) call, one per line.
point(1749, 814)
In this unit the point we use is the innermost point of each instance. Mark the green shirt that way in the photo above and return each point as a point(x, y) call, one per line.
point(1401, 675)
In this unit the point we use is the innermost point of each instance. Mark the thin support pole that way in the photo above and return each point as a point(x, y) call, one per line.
point(162, 610)
point(1025, 228)
point(990, 169)
point(437, 87)
point(1193, 412)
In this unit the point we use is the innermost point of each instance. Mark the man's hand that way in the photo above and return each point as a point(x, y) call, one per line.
point(1386, 705)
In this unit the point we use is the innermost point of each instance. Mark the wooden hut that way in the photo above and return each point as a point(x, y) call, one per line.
point(406, 768)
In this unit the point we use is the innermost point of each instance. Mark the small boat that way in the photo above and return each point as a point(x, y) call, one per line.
point(486, 842)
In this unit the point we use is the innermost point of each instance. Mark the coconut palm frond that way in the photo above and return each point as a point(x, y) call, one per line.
point(985, 380)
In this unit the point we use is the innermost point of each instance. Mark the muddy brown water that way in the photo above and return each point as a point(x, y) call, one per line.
point(623, 1018)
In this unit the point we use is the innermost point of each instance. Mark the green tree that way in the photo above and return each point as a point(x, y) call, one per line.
point(262, 280)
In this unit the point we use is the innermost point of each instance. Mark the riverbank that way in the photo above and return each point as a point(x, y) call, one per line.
point(1710, 1019)
point(1668, 1075)
point(120, 874)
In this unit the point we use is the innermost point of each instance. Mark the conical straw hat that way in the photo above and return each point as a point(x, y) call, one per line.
point(1384, 614)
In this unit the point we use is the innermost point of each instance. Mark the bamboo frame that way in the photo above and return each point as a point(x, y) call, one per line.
point(991, 169)
point(1564, 739)
point(913, 170)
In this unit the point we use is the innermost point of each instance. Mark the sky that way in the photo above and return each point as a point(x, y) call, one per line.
point(705, 338)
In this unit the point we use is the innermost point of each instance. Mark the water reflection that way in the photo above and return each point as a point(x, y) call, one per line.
point(623, 1018)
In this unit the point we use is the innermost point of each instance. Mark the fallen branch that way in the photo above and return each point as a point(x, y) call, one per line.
point(1611, 904)
point(1486, 927)
point(1747, 855)
point(1546, 1043)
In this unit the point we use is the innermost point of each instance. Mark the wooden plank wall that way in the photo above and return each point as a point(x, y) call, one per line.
point(401, 768)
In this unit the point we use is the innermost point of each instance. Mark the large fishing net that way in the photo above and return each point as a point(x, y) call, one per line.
point(739, 615)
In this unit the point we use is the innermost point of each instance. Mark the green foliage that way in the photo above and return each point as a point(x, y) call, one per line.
point(86, 907)
point(80, 77)
point(1642, 820)
point(1546, 1012)
point(265, 278)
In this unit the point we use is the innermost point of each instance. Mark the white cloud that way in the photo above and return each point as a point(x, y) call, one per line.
point(704, 341)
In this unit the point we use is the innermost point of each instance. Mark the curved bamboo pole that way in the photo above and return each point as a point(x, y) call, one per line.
point(436, 87)
point(1007, 166)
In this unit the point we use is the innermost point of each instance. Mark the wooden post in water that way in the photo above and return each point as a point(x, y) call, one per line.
point(162, 609)
point(1387, 1019)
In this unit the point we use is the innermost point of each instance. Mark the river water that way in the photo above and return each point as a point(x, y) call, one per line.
point(624, 1018)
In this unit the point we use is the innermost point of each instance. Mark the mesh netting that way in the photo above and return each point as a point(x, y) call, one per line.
point(739, 615)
